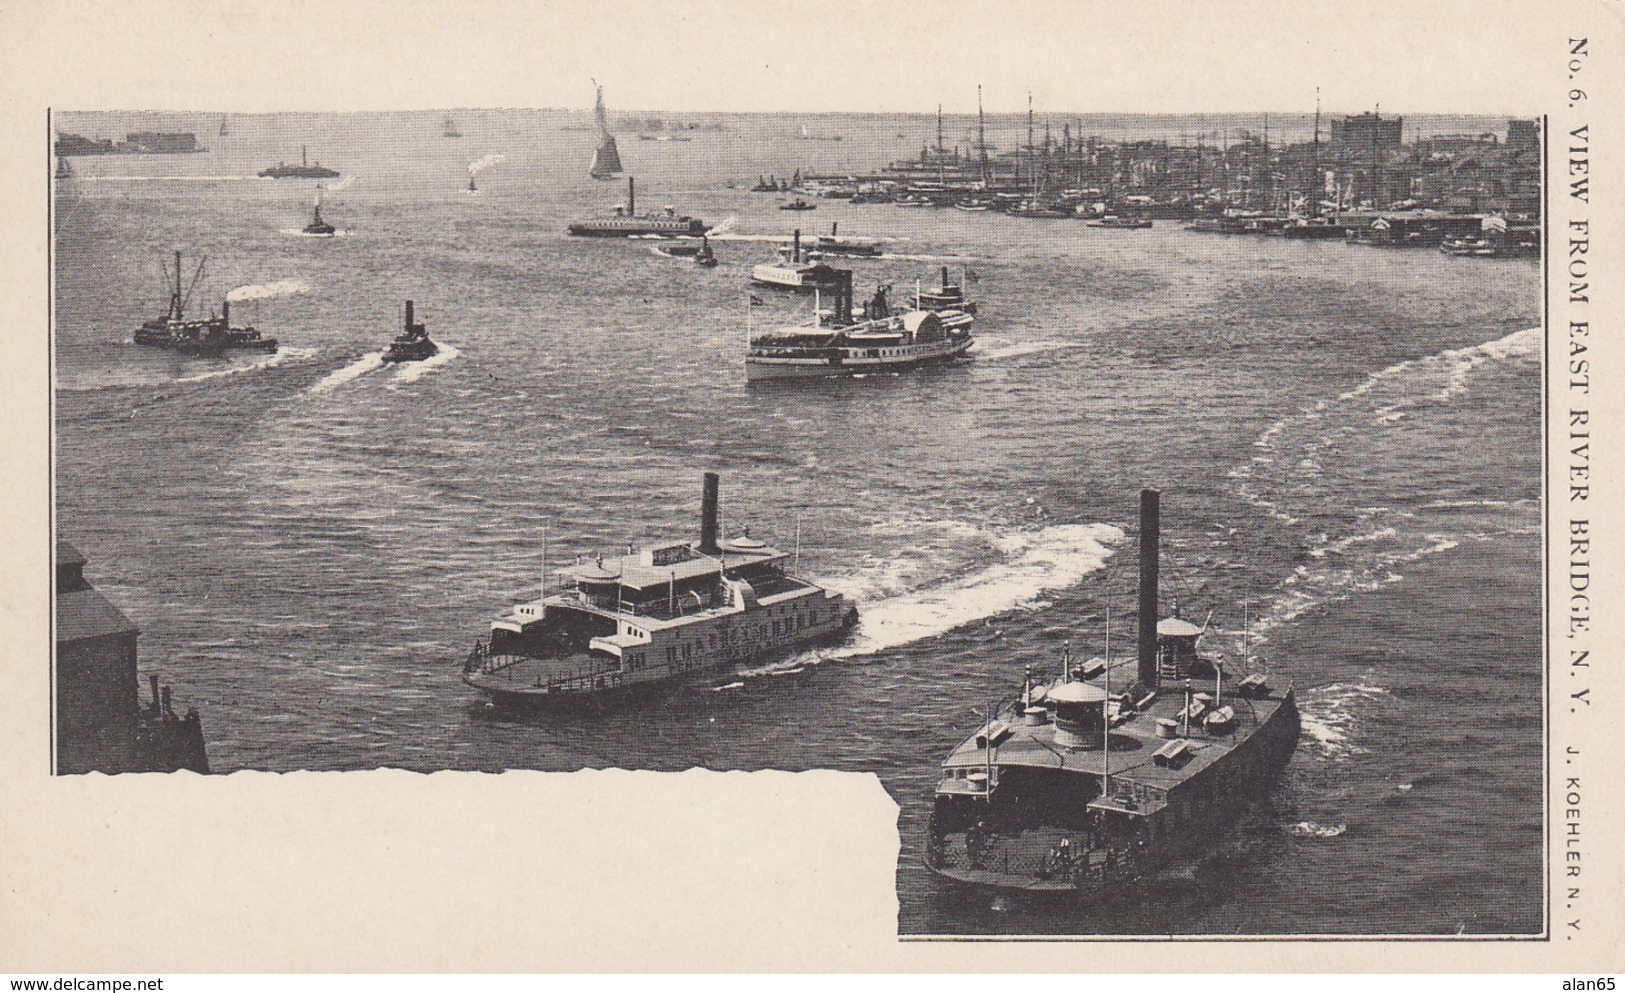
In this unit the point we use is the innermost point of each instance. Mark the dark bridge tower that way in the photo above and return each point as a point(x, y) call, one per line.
point(1150, 537)
point(708, 516)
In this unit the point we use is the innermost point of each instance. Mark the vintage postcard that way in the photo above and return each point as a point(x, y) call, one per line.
point(619, 486)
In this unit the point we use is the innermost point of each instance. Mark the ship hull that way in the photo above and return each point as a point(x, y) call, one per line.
point(533, 683)
point(854, 361)
point(1013, 865)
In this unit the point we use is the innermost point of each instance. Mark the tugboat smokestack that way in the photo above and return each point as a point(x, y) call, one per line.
point(708, 516)
point(225, 312)
point(795, 246)
point(409, 315)
point(1150, 536)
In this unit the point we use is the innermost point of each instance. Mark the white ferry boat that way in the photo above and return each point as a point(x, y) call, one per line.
point(883, 340)
point(645, 618)
point(793, 273)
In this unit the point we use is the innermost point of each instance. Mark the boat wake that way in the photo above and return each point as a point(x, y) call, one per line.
point(948, 259)
point(723, 228)
point(355, 370)
point(1309, 829)
point(411, 372)
point(267, 362)
point(1028, 564)
point(163, 179)
point(1003, 348)
point(1329, 714)
point(301, 233)
point(1316, 465)
point(267, 291)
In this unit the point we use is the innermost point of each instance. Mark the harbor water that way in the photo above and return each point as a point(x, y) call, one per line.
point(1346, 438)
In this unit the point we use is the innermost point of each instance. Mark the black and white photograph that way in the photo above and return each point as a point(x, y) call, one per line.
point(1120, 430)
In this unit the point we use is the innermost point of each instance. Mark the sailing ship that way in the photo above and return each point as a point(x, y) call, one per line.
point(1112, 769)
point(448, 129)
point(304, 170)
point(625, 222)
point(883, 340)
point(222, 125)
point(209, 336)
point(412, 344)
point(606, 158)
point(643, 620)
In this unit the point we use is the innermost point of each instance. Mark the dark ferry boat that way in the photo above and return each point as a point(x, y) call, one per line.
point(304, 170)
point(199, 337)
point(412, 344)
point(1114, 769)
point(625, 222)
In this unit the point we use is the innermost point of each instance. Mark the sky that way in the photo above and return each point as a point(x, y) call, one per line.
point(1167, 56)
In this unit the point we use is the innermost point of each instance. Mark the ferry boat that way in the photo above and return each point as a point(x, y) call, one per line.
point(412, 344)
point(792, 273)
point(835, 243)
point(304, 170)
point(640, 621)
point(209, 336)
point(1113, 769)
point(626, 223)
point(884, 340)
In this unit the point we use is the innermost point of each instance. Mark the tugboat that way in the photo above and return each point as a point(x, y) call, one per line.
point(1111, 771)
point(947, 302)
point(317, 227)
point(198, 337)
point(606, 158)
point(798, 204)
point(705, 257)
point(883, 340)
point(304, 170)
point(626, 223)
point(643, 620)
point(471, 187)
point(412, 344)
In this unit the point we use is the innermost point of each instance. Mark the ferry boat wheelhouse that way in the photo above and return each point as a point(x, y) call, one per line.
point(642, 619)
point(885, 339)
point(1112, 769)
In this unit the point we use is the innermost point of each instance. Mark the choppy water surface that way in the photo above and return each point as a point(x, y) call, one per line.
point(1347, 437)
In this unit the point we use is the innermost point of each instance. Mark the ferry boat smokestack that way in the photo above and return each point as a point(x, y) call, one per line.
point(795, 246)
point(225, 312)
point(708, 516)
point(631, 197)
point(1150, 537)
point(409, 315)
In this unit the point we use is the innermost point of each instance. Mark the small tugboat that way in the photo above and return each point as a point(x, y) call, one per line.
point(705, 257)
point(198, 337)
point(317, 227)
point(412, 344)
point(798, 204)
point(1114, 769)
point(883, 340)
point(625, 222)
point(471, 187)
point(304, 170)
point(644, 620)
point(948, 302)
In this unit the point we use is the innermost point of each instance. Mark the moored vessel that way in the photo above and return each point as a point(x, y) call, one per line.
point(1114, 769)
point(642, 620)
point(883, 340)
point(208, 336)
point(625, 222)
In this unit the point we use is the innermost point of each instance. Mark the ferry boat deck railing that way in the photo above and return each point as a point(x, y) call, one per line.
point(587, 677)
point(1040, 857)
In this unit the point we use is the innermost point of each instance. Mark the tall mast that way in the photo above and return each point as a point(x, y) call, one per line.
point(939, 144)
point(1314, 162)
point(981, 134)
point(1106, 714)
point(175, 298)
point(1032, 162)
